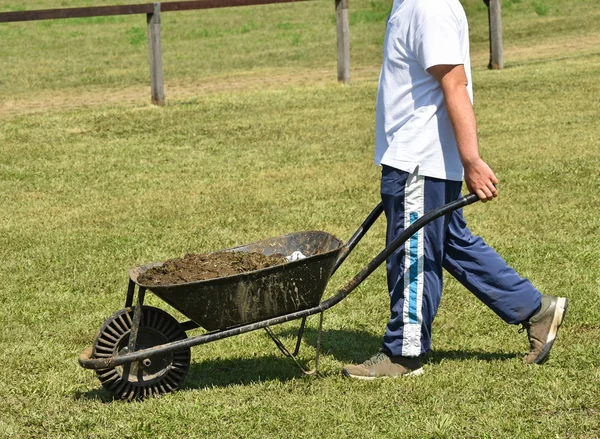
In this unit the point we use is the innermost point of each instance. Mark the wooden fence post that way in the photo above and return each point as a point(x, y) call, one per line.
point(155, 52)
point(495, 19)
point(343, 40)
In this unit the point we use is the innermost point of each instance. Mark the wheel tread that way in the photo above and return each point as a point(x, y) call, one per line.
point(115, 332)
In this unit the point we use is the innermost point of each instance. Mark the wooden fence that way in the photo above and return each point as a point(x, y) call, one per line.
point(153, 19)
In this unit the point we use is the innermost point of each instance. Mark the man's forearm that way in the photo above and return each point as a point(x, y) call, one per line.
point(479, 177)
point(462, 118)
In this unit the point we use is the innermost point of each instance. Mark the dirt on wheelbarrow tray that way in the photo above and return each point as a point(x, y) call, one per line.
point(197, 267)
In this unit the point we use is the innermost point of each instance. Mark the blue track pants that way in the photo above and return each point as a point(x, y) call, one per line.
point(415, 269)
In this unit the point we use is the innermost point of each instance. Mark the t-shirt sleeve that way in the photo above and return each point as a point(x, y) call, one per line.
point(437, 40)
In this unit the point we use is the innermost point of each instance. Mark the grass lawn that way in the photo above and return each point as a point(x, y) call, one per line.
point(257, 140)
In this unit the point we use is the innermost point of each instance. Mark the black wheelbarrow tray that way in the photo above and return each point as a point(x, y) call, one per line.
point(142, 351)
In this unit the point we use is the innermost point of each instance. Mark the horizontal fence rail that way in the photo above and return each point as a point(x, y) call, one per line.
point(146, 8)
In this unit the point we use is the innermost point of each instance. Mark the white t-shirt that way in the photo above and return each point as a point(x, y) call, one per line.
point(412, 125)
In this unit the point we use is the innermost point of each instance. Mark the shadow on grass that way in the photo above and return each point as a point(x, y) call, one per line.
point(437, 356)
point(242, 371)
point(355, 347)
point(222, 373)
point(531, 62)
point(344, 345)
point(99, 394)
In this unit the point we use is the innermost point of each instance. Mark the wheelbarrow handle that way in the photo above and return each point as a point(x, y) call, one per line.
point(393, 246)
point(358, 235)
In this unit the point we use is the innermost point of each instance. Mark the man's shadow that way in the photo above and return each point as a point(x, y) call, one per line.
point(356, 346)
point(346, 346)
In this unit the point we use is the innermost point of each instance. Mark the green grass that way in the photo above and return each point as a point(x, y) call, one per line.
point(92, 188)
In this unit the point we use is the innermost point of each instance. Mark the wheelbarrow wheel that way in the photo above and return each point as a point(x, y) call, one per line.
point(152, 376)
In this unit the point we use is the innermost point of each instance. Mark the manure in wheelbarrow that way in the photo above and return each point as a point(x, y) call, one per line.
point(197, 267)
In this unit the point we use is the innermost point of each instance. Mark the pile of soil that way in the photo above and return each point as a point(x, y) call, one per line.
point(195, 267)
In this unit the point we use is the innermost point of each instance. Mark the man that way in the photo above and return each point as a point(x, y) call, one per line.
point(426, 142)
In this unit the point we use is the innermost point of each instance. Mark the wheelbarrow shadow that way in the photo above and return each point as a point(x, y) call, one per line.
point(222, 373)
point(346, 346)
point(226, 372)
point(241, 371)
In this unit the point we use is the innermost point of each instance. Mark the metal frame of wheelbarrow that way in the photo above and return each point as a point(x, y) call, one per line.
point(87, 362)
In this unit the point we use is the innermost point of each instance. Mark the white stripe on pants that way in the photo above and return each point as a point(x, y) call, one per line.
point(412, 315)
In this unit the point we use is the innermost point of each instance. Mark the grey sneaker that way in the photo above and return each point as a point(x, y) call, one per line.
point(380, 366)
point(543, 326)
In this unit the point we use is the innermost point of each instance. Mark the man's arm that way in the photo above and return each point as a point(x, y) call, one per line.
point(479, 177)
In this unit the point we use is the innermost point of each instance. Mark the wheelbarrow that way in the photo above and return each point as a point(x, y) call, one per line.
point(143, 351)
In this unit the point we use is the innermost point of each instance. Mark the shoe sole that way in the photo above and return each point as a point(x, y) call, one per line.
point(560, 312)
point(415, 372)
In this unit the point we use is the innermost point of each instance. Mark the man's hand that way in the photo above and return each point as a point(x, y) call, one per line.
point(479, 177)
point(480, 180)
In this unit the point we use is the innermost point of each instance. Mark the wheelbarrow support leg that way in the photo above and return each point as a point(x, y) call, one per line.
point(130, 291)
point(316, 369)
point(137, 318)
point(287, 353)
point(280, 344)
point(300, 333)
